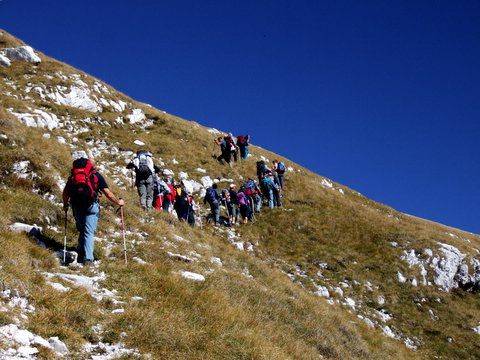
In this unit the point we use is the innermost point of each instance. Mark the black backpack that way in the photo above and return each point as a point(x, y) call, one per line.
point(143, 171)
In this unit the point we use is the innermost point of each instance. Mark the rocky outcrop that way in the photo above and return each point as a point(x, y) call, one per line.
point(449, 269)
point(22, 53)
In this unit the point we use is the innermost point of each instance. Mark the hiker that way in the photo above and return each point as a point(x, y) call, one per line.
point(225, 200)
point(262, 169)
point(271, 191)
point(82, 191)
point(169, 198)
point(279, 168)
point(160, 190)
point(233, 205)
point(231, 147)
point(144, 170)
point(181, 202)
point(192, 207)
point(245, 209)
point(242, 143)
point(225, 153)
point(254, 194)
point(213, 198)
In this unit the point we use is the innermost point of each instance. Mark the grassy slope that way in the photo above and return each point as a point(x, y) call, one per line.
point(228, 316)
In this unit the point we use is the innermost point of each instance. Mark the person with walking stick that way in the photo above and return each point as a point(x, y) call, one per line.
point(83, 190)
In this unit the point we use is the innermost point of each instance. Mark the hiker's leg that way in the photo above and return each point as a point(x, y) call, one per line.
point(258, 202)
point(270, 199)
point(165, 203)
point(79, 215)
point(278, 201)
point(281, 178)
point(149, 192)
point(142, 192)
point(91, 220)
point(217, 212)
point(157, 203)
point(235, 158)
point(246, 152)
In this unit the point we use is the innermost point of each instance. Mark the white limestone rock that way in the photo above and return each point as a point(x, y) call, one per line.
point(192, 276)
point(22, 53)
point(136, 116)
point(4, 61)
point(74, 96)
point(400, 277)
point(58, 345)
point(206, 181)
point(446, 267)
point(322, 291)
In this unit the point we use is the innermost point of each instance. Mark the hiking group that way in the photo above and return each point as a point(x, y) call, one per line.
point(158, 190)
point(230, 149)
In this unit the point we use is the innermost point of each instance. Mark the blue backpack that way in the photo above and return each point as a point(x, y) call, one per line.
point(281, 168)
point(211, 195)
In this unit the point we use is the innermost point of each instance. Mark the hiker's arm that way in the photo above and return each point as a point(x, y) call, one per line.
point(112, 197)
point(65, 197)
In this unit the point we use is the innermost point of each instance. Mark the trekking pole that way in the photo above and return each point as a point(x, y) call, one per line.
point(253, 210)
point(65, 239)
point(123, 232)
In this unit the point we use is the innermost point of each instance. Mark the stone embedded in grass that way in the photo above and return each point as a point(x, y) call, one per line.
point(388, 332)
point(216, 260)
point(4, 61)
point(192, 276)
point(57, 286)
point(180, 257)
point(400, 277)
point(327, 183)
point(58, 345)
point(322, 291)
point(22, 53)
point(21, 227)
point(139, 261)
point(136, 116)
point(139, 143)
point(206, 181)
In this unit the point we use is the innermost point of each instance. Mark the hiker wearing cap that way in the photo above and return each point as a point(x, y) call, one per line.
point(82, 191)
point(233, 205)
point(242, 144)
point(142, 163)
point(213, 198)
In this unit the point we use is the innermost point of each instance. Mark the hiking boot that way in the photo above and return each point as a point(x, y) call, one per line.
point(88, 263)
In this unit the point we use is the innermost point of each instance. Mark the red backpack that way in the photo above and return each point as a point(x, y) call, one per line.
point(84, 182)
point(171, 196)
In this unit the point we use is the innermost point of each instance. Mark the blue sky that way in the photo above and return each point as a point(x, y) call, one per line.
point(382, 96)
